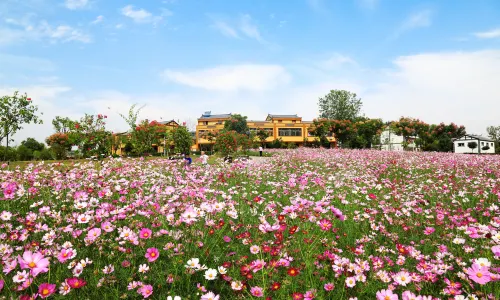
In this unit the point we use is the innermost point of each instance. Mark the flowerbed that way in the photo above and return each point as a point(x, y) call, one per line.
point(307, 224)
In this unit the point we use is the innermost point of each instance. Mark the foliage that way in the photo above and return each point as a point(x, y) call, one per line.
point(91, 136)
point(24, 153)
point(367, 132)
point(340, 105)
point(8, 154)
point(472, 145)
point(262, 135)
point(147, 134)
point(63, 125)
point(182, 139)
point(227, 142)
point(15, 111)
point(494, 134)
point(132, 116)
point(237, 123)
point(33, 144)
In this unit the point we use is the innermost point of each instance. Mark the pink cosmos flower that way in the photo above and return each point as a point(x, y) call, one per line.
point(46, 289)
point(152, 254)
point(76, 283)
point(145, 290)
point(325, 224)
point(209, 296)
point(329, 286)
point(496, 250)
point(1, 284)
point(257, 265)
point(478, 274)
point(386, 295)
point(34, 261)
point(429, 230)
point(227, 239)
point(256, 291)
point(65, 254)
point(145, 233)
point(407, 295)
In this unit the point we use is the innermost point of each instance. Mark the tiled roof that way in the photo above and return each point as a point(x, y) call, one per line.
point(282, 116)
point(220, 116)
point(481, 138)
point(166, 122)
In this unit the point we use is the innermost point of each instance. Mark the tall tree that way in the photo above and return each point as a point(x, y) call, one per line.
point(182, 139)
point(63, 125)
point(132, 116)
point(15, 111)
point(33, 144)
point(262, 135)
point(340, 105)
point(237, 123)
point(494, 134)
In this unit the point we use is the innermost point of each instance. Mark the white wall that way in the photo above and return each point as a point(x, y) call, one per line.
point(389, 141)
point(465, 149)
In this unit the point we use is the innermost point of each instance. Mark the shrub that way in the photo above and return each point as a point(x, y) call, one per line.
point(24, 153)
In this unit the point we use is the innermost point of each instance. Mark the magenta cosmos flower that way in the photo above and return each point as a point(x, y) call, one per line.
point(496, 250)
point(256, 291)
point(386, 295)
point(145, 233)
point(46, 289)
point(145, 290)
point(152, 254)
point(479, 274)
point(34, 261)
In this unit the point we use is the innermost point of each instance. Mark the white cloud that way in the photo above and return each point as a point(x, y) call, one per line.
point(225, 29)
point(336, 60)
point(232, 78)
point(24, 30)
point(76, 4)
point(491, 34)
point(98, 20)
point(250, 29)
point(416, 20)
point(144, 16)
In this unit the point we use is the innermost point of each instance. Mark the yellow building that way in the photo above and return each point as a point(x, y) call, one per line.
point(290, 128)
point(158, 148)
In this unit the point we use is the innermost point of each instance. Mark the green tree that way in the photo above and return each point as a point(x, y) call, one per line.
point(15, 111)
point(237, 123)
point(145, 135)
point(262, 135)
point(63, 125)
point(24, 153)
point(494, 134)
point(472, 146)
point(132, 116)
point(368, 132)
point(33, 144)
point(91, 136)
point(59, 145)
point(182, 139)
point(340, 105)
point(227, 142)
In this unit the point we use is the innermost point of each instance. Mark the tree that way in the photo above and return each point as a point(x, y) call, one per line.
point(472, 146)
point(340, 105)
point(91, 136)
point(237, 123)
point(494, 134)
point(262, 135)
point(182, 139)
point(321, 129)
point(147, 134)
point(24, 153)
point(63, 125)
point(227, 142)
point(33, 144)
point(15, 111)
point(367, 132)
point(59, 144)
point(132, 116)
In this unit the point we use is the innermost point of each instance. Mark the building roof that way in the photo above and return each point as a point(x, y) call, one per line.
point(208, 115)
point(166, 122)
point(479, 137)
point(282, 116)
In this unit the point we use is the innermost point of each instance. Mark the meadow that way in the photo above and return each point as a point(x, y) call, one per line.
point(303, 224)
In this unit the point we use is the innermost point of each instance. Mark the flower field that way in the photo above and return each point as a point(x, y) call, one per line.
point(305, 224)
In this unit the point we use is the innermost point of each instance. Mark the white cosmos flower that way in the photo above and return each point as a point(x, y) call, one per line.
point(210, 274)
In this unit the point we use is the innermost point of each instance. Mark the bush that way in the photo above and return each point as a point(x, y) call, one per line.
point(9, 154)
point(45, 154)
point(24, 153)
point(58, 151)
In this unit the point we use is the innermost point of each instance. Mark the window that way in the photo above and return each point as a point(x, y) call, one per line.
point(280, 121)
point(205, 123)
point(461, 144)
point(294, 121)
point(482, 143)
point(491, 144)
point(290, 131)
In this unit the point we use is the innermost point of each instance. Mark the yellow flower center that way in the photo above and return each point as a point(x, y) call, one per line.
point(479, 275)
point(31, 265)
point(153, 254)
point(45, 292)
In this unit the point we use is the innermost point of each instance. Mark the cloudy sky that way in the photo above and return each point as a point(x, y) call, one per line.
point(434, 60)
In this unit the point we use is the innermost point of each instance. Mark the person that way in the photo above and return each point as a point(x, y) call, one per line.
point(204, 158)
point(188, 159)
point(260, 150)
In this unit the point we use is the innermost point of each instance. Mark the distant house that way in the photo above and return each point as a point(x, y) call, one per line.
point(389, 141)
point(484, 145)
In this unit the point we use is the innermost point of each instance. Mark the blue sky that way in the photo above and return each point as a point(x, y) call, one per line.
point(434, 60)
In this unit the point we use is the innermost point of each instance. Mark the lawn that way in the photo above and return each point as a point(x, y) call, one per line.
point(304, 224)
